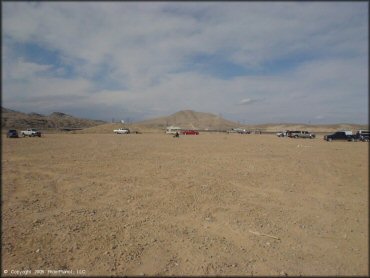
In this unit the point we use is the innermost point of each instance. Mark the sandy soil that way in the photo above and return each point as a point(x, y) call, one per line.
point(151, 204)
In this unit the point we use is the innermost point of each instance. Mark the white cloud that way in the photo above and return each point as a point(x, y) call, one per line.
point(147, 51)
point(246, 101)
point(20, 69)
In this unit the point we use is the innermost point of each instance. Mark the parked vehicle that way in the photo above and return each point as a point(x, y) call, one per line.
point(340, 135)
point(347, 132)
point(172, 129)
point(362, 135)
point(244, 131)
point(239, 130)
point(282, 133)
point(190, 132)
point(122, 131)
point(301, 134)
point(232, 131)
point(12, 133)
point(31, 132)
point(290, 132)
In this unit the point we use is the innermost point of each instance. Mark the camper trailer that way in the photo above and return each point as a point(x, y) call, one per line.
point(173, 130)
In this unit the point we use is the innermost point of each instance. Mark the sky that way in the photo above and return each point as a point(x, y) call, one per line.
point(251, 62)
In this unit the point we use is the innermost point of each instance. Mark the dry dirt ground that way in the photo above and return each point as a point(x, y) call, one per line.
point(213, 204)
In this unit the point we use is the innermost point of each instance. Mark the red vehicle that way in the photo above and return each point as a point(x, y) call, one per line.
point(190, 132)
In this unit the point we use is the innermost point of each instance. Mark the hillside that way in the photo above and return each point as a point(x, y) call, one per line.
point(189, 119)
point(202, 121)
point(186, 119)
point(109, 127)
point(56, 120)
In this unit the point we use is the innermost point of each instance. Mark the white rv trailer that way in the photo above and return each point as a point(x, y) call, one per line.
point(173, 129)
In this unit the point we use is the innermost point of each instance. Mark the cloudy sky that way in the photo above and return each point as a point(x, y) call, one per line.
point(252, 62)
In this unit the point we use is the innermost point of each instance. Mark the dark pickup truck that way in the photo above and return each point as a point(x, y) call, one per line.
point(12, 133)
point(340, 135)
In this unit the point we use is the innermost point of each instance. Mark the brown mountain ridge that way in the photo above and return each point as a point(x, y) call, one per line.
point(186, 119)
point(189, 119)
point(56, 120)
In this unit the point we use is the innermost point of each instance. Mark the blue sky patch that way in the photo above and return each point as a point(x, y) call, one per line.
point(35, 53)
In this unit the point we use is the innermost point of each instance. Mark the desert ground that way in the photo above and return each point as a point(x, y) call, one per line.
point(213, 204)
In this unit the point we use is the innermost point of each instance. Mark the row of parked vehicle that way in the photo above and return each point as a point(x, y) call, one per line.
point(177, 130)
point(361, 135)
point(30, 132)
point(186, 132)
point(244, 131)
point(296, 134)
point(122, 131)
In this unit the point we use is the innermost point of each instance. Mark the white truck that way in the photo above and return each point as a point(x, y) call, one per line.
point(122, 131)
point(282, 133)
point(301, 134)
point(31, 132)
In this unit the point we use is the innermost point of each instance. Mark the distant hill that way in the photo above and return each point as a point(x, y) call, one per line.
point(189, 119)
point(56, 120)
point(186, 119)
point(109, 127)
